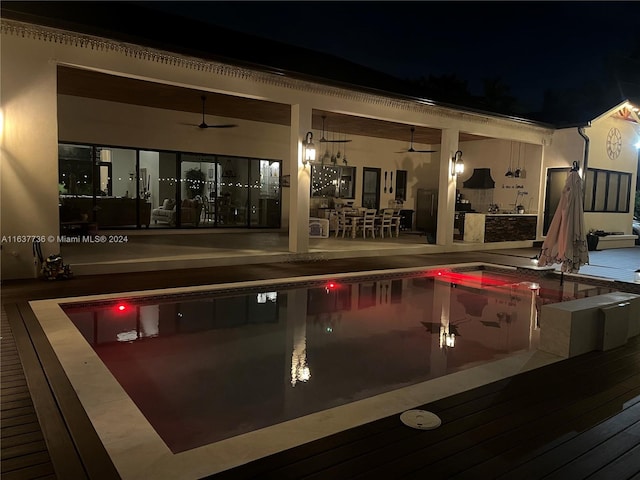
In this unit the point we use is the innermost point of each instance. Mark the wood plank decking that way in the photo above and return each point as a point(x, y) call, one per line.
point(24, 454)
point(579, 418)
point(569, 420)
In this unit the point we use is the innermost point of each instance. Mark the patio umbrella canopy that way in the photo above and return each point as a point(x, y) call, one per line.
point(566, 241)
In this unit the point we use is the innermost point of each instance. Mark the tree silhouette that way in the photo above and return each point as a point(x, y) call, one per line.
point(497, 96)
point(448, 88)
point(445, 88)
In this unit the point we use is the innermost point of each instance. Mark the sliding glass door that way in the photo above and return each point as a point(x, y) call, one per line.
point(158, 186)
point(234, 195)
point(264, 193)
point(119, 187)
point(198, 174)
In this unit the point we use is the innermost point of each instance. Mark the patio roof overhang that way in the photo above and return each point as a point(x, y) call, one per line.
point(91, 84)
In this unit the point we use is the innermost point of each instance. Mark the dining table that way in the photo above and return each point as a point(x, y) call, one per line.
point(355, 218)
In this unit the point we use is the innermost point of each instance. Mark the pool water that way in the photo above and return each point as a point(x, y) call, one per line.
point(203, 368)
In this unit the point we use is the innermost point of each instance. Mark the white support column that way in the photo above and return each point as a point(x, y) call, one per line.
point(446, 187)
point(29, 155)
point(300, 181)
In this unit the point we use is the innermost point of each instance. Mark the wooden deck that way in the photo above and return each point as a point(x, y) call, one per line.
point(578, 418)
point(568, 420)
point(24, 453)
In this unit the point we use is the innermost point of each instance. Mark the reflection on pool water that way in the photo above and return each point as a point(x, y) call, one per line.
point(202, 368)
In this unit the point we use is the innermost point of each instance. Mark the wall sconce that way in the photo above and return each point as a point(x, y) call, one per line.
point(447, 339)
point(457, 165)
point(309, 149)
point(450, 340)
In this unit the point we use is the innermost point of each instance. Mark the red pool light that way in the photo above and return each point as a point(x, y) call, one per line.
point(121, 307)
point(331, 286)
point(436, 273)
point(470, 280)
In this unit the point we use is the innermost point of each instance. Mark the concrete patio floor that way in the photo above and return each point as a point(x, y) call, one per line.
point(142, 250)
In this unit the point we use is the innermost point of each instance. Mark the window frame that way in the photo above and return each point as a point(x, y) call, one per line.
point(611, 181)
point(339, 193)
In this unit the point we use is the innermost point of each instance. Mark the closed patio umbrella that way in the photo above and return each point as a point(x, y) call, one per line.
point(566, 241)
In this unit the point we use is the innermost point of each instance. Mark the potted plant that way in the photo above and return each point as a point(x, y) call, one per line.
point(592, 241)
point(195, 182)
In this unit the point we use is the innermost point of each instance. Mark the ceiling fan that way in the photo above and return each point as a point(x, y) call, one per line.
point(204, 125)
point(413, 150)
point(324, 140)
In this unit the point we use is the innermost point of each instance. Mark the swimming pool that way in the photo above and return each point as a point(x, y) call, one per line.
point(168, 379)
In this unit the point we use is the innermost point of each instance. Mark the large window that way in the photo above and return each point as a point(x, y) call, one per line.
point(606, 191)
point(75, 172)
point(98, 185)
point(333, 181)
point(117, 187)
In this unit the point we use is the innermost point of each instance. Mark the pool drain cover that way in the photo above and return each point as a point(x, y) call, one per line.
point(420, 419)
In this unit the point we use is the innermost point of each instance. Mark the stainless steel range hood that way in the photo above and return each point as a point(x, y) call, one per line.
point(480, 179)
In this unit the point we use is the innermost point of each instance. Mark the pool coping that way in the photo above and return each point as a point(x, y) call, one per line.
point(136, 449)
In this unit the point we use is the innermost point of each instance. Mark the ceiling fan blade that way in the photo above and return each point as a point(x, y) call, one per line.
point(229, 125)
point(204, 124)
point(324, 140)
point(413, 150)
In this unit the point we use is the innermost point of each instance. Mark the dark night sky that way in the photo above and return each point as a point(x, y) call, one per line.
point(531, 46)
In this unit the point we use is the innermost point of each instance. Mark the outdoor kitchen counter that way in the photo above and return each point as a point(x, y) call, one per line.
point(499, 227)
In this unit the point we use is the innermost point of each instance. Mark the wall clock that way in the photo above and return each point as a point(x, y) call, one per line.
point(614, 143)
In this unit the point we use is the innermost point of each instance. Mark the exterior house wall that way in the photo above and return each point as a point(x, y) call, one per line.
point(156, 129)
point(86, 120)
point(627, 161)
point(500, 156)
point(33, 112)
point(101, 122)
point(568, 146)
point(422, 169)
point(28, 175)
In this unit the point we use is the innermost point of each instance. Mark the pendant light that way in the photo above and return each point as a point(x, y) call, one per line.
point(510, 172)
point(518, 171)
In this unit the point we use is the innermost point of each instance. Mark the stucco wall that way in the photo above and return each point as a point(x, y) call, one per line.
point(627, 161)
point(422, 169)
point(28, 177)
point(568, 146)
point(500, 156)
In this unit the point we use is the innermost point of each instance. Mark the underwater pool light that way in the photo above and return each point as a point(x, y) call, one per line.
point(330, 286)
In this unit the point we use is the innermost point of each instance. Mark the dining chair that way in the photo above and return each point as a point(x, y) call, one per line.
point(395, 223)
point(385, 222)
point(369, 223)
point(208, 210)
point(344, 224)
